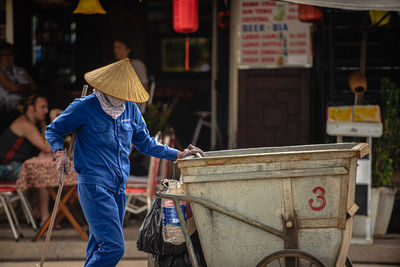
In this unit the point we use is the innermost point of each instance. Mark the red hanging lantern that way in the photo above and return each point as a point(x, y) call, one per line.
point(309, 13)
point(185, 20)
point(186, 16)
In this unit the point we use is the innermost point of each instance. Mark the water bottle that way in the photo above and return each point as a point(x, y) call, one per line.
point(172, 232)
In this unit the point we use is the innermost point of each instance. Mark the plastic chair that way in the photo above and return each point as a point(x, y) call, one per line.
point(8, 195)
point(165, 165)
point(140, 190)
point(203, 122)
point(138, 197)
point(26, 207)
point(5, 202)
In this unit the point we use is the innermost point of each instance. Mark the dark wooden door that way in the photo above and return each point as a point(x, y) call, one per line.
point(273, 107)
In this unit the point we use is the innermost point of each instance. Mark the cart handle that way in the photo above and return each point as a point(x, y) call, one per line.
point(363, 149)
point(220, 209)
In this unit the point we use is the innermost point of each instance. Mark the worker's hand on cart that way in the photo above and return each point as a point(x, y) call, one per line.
point(62, 161)
point(191, 150)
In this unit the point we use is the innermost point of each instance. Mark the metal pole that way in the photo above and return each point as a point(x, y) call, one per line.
point(331, 56)
point(9, 22)
point(214, 64)
point(185, 230)
point(233, 74)
point(363, 55)
point(59, 192)
point(369, 232)
point(213, 206)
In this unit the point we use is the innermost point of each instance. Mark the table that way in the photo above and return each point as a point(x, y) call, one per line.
point(42, 171)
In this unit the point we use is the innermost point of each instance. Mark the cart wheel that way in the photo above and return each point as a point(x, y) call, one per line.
point(291, 257)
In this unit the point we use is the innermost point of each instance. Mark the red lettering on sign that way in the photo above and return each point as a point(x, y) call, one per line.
point(298, 43)
point(251, 36)
point(269, 36)
point(250, 52)
point(320, 196)
point(250, 60)
point(271, 52)
point(248, 4)
point(247, 11)
point(268, 3)
point(267, 59)
point(263, 11)
point(272, 43)
point(251, 44)
point(255, 19)
point(297, 35)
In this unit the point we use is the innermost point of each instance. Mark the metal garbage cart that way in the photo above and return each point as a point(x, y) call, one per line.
point(277, 206)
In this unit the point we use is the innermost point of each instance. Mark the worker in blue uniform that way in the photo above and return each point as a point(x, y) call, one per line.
point(107, 122)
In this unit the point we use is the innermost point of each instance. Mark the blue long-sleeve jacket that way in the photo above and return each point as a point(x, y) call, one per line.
point(102, 144)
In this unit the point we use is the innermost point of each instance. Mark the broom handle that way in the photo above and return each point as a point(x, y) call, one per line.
point(60, 188)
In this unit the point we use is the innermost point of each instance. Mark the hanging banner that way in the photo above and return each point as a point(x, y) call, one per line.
point(271, 36)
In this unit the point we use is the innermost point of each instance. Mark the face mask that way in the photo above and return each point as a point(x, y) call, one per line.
point(111, 105)
point(115, 101)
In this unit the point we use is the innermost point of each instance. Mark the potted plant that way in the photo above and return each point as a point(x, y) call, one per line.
point(157, 116)
point(386, 154)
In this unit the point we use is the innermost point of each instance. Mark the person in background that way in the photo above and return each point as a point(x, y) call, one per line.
point(107, 122)
point(15, 82)
point(123, 49)
point(24, 139)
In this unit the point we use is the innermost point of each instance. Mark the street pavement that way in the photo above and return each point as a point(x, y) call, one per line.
point(66, 249)
point(124, 263)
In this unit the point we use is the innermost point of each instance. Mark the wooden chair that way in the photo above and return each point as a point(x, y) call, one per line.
point(8, 195)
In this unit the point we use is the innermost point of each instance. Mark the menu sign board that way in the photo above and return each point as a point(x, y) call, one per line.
point(271, 36)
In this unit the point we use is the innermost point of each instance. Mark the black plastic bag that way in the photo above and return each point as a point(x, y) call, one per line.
point(150, 234)
point(182, 259)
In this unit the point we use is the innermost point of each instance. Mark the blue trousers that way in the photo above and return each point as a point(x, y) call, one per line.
point(104, 211)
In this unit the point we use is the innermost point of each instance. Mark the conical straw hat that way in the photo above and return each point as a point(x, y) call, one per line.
point(118, 80)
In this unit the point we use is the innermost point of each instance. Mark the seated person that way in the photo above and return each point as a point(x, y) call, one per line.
point(14, 81)
point(24, 139)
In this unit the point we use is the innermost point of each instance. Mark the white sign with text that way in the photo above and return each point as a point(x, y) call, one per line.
point(271, 36)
